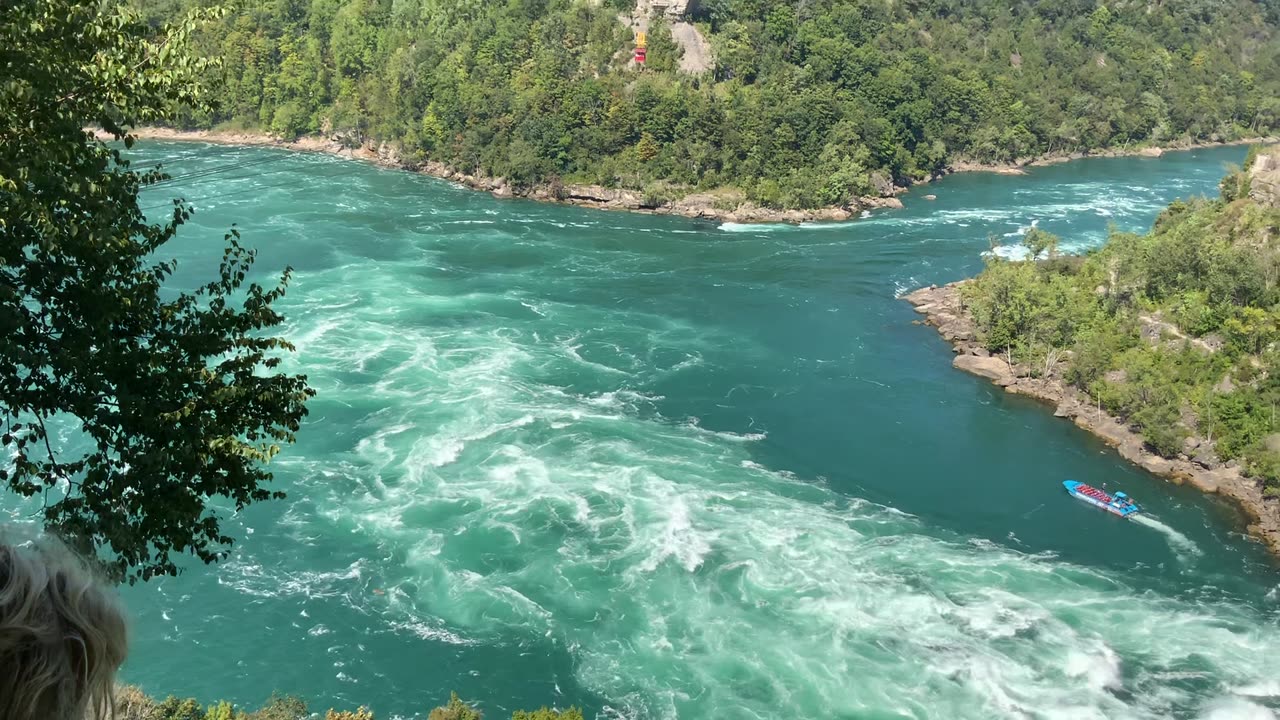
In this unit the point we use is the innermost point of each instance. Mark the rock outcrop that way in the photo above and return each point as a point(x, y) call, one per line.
point(943, 308)
point(1264, 178)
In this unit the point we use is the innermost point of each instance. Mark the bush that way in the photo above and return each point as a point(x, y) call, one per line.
point(455, 710)
point(222, 711)
point(361, 713)
point(133, 704)
point(282, 707)
point(178, 709)
point(1161, 429)
point(291, 120)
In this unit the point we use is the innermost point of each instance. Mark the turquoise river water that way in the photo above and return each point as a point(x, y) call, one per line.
point(663, 468)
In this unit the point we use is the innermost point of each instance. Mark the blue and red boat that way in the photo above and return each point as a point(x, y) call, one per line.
point(1118, 504)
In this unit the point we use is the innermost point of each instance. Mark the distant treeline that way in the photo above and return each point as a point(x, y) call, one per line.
point(810, 103)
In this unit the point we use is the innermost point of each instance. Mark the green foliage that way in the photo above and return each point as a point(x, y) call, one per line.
point(361, 713)
point(133, 704)
point(1250, 331)
point(222, 711)
point(809, 103)
point(173, 708)
point(1173, 331)
point(1040, 244)
point(455, 710)
point(1235, 186)
point(176, 396)
point(282, 707)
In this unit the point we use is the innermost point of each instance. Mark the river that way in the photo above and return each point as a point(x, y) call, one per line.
point(664, 468)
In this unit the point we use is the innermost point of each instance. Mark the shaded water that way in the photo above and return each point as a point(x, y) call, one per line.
point(662, 467)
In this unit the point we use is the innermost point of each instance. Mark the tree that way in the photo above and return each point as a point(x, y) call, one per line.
point(1038, 243)
point(173, 399)
point(1250, 331)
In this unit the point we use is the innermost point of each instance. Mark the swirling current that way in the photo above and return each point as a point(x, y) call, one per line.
point(664, 468)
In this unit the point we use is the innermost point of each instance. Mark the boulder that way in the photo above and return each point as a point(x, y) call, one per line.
point(955, 331)
point(881, 183)
point(993, 369)
point(1210, 481)
point(1157, 464)
point(1206, 458)
point(593, 193)
point(930, 197)
point(892, 203)
point(1272, 442)
point(1133, 451)
point(942, 319)
point(1225, 386)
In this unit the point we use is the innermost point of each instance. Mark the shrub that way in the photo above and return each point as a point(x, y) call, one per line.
point(361, 713)
point(281, 707)
point(455, 710)
point(178, 709)
point(133, 704)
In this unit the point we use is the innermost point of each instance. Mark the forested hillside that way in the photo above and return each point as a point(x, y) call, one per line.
point(1177, 332)
point(810, 103)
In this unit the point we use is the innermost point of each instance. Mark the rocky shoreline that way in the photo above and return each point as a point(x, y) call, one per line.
point(723, 205)
point(943, 308)
point(1019, 166)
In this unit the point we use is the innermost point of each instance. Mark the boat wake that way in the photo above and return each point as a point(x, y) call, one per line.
point(1183, 546)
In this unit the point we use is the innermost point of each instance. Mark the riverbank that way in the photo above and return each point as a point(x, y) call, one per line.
point(1019, 167)
point(724, 205)
point(943, 308)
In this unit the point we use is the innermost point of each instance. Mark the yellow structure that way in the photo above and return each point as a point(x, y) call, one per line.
point(641, 39)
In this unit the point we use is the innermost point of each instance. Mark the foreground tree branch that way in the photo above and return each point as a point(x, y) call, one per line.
point(165, 404)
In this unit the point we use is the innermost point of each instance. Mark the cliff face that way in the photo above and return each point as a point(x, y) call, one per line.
point(1264, 178)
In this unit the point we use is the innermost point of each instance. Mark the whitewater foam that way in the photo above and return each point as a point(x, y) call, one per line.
point(1183, 546)
point(498, 481)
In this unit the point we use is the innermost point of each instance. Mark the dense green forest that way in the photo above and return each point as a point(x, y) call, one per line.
point(1176, 331)
point(809, 103)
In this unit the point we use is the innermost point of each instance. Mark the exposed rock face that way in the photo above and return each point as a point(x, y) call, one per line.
point(698, 57)
point(1199, 465)
point(994, 369)
point(1264, 178)
point(666, 8)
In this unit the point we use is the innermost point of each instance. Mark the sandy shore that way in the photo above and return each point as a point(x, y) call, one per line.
point(943, 308)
